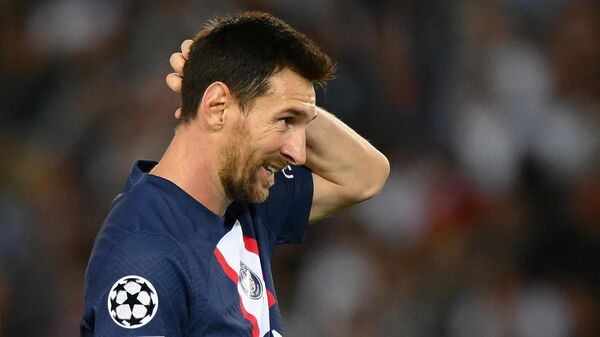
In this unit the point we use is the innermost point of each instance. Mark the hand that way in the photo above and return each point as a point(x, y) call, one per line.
point(177, 62)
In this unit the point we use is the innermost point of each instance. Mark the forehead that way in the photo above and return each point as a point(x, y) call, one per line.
point(287, 87)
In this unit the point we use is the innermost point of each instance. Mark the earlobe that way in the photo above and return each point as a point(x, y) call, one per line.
point(212, 106)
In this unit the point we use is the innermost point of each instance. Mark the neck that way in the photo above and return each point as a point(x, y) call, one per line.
point(191, 163)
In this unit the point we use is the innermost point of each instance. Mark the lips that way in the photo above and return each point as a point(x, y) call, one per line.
point(275, 164)
point(272, 169)
point(271, 166)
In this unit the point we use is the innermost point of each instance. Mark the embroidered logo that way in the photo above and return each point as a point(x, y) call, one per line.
point(132, 302)
point(250, 283)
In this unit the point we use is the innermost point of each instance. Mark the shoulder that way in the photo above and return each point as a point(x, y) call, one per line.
point(135, 240)
point(151, 261)
point(134, 253)
point(133, 221)
point(141, 209)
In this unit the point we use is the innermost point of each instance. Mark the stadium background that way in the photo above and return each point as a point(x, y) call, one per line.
point(488, 110)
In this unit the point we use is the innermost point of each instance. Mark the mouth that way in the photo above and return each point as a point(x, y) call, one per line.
point(272, 169)
point(269, 173)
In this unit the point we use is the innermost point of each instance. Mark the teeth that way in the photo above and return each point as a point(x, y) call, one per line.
point(271, 169)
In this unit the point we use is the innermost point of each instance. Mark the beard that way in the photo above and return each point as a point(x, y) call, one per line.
point(240, 170)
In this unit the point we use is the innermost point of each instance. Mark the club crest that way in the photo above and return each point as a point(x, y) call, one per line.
point(250, 283)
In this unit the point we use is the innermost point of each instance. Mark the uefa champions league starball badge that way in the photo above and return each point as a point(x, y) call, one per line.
point(132, 302)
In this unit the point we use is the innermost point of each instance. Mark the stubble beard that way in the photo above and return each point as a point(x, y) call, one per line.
point(239, 171)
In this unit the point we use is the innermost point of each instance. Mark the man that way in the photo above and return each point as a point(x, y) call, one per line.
point(186, 247)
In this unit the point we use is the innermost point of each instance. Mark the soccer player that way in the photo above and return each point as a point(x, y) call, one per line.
point(186, 247)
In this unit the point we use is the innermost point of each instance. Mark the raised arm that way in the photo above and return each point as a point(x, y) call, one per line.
point(346, 168)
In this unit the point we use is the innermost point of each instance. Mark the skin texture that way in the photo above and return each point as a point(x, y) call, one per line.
point(220, 155)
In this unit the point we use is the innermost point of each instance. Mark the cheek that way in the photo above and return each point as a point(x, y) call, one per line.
point(270, 143)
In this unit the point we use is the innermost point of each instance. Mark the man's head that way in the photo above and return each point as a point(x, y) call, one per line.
point(243, 51)
point(251, 78)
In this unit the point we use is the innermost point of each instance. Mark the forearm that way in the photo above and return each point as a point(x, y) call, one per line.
point(338, 154)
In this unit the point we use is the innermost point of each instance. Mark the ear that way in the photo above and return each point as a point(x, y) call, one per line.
point(212, 105)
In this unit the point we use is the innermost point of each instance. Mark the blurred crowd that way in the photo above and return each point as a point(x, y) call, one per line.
point(489, 111)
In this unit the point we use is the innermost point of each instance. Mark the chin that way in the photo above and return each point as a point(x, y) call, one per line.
point(259, 194)
point(260, 197)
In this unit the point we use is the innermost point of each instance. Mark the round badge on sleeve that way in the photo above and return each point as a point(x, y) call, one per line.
point(132, 302)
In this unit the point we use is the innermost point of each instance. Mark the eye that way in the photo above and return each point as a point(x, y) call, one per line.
point(286, 120)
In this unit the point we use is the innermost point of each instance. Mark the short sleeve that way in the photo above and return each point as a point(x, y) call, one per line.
point(140, 288)
point(287, 209)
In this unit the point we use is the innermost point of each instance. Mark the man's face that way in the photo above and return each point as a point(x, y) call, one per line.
point(268, 137)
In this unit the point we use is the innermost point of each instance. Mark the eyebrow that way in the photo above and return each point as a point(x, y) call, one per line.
point(297, 113)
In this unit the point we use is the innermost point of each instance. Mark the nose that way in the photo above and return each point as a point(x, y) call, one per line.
point(294, 148)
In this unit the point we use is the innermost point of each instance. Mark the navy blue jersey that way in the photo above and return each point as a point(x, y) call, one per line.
point(164, 265)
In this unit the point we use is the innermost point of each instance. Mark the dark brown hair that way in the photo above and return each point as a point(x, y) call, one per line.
point(243, 51)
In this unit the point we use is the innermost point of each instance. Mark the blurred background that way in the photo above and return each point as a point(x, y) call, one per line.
point(489, 111)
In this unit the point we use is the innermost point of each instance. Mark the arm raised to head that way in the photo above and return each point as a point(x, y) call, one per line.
point(346, 168)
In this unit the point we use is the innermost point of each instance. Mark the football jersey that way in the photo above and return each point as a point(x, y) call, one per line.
point(164, 265)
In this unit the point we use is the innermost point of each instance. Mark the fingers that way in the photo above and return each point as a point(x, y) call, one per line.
point(174, 82)
point(185, 48)
point(177, 62)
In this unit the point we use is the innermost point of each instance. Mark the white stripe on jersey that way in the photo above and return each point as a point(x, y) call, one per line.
point(234, 251)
